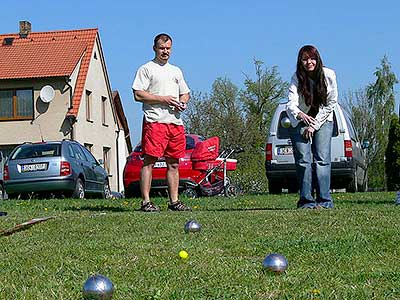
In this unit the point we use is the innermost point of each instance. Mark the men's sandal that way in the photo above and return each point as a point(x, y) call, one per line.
point(149, 207)
point(178, 206)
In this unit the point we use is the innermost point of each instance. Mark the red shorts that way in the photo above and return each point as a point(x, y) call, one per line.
point(166, 140)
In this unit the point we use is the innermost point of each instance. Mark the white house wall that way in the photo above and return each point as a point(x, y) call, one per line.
point(48, 117)
point(94, 132)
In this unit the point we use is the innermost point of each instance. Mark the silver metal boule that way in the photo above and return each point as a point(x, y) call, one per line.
point(98, 287)
point(192, 226)
point(275, 262)
point(285, 122)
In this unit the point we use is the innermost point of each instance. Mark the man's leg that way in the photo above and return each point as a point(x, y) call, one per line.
point(146, 175)
point(173, 178)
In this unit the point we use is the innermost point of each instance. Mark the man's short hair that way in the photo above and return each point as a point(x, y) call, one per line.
point(163, 37)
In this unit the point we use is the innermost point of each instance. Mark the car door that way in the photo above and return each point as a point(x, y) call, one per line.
point(90, 176)
point(99, 172)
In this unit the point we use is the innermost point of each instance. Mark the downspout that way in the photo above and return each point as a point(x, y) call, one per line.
point(70, 118)
point(117, 149)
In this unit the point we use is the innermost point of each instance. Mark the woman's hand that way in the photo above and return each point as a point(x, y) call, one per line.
point(306, 118)
point(308, 133)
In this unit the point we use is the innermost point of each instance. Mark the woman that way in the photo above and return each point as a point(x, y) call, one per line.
point(312, 98)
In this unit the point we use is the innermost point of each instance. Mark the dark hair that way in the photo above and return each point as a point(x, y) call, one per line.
point(316, 96)
point(163, 37)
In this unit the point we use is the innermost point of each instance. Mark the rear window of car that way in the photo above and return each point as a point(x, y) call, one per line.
point(37, 150)
point(283, 133)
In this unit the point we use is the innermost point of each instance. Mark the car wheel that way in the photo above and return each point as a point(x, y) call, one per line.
point(353, 185)
point(190, 193)
point(2, 191)
point(106, 190)
point(132, 192)
point(293, 189)
point(79, 192)
point(274, 187)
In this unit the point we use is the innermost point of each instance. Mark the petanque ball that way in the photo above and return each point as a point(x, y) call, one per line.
point(192, 226)
point(275, 262)
point(98, 287)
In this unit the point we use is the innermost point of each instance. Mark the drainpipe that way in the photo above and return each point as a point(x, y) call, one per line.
point(71, 119)
point(117, 150)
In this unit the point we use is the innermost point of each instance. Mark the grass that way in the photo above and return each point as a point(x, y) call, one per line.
point(351, 252)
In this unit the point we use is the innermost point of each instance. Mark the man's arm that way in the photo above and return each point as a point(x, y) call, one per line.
point(148, 98)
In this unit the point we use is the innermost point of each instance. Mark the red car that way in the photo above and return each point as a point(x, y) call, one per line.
point(192, 170)
point(134, 164)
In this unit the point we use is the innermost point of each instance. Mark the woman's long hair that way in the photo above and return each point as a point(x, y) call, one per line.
point(316, 96)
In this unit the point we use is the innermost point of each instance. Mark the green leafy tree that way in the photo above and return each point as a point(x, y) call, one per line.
point(218, 114)
point(392, 163)
point(260, 99)
point(371, 110)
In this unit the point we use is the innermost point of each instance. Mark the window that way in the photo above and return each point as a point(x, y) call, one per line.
point(16, 104)
point(89, 157)
point(103, 110)
point(78, 152)
point(36, 151)
point(89, 106)
point(106, 159)
point(88, 146)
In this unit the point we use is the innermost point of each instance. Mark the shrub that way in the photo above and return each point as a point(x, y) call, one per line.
point(392, 162)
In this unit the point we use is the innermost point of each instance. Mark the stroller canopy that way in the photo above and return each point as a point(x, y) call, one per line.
point(206, 150)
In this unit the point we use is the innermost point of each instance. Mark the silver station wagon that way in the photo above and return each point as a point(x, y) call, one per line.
point(347, 154)
point(61, 168)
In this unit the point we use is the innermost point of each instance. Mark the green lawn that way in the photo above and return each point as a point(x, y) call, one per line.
point(350, 252)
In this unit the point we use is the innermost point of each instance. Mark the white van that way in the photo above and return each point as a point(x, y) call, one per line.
point(347, 155)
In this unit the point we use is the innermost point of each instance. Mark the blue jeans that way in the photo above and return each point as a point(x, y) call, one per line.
point(307, 152)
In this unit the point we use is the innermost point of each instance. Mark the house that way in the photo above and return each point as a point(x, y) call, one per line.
point(124, 141)
point(54, 85)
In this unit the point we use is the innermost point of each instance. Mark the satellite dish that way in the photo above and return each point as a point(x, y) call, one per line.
point(47, 94)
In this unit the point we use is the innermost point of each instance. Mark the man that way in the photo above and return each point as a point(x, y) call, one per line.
point(164, 93)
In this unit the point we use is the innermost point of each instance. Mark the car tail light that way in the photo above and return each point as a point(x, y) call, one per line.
point(65, 168)
point(348, 148)
point(268, 152)
point(6, 174)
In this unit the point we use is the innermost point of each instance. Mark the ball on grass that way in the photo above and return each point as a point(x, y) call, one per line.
point(183, 254)
point(98, 287)
point(275, 263)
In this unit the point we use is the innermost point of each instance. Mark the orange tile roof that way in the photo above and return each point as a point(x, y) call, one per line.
point(49, 54)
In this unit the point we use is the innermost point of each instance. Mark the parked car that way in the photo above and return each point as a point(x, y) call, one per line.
point(347, 155)
point(134, 163)
point(59, 168)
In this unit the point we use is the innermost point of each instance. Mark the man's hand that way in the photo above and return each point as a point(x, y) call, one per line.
point(169, 100)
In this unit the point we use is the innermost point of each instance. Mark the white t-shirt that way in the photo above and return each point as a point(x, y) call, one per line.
point(297, 103)
point(162, 80)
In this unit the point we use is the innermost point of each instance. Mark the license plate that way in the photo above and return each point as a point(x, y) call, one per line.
point(34, 167)
point(160, 164)
point(285, 150)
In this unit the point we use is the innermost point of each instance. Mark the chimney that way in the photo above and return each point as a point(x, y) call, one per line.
point(24, 28)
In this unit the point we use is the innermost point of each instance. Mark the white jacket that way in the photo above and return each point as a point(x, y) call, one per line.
point(297, 103)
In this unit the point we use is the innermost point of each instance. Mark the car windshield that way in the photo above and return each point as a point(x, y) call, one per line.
point(37, 150)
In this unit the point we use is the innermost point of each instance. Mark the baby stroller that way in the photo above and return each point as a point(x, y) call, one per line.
point(213, 167)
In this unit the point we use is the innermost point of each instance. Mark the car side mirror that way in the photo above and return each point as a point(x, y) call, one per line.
point(101, 162)
point(365, 144)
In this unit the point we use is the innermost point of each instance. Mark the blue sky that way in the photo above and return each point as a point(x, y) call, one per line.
point(221, 38)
